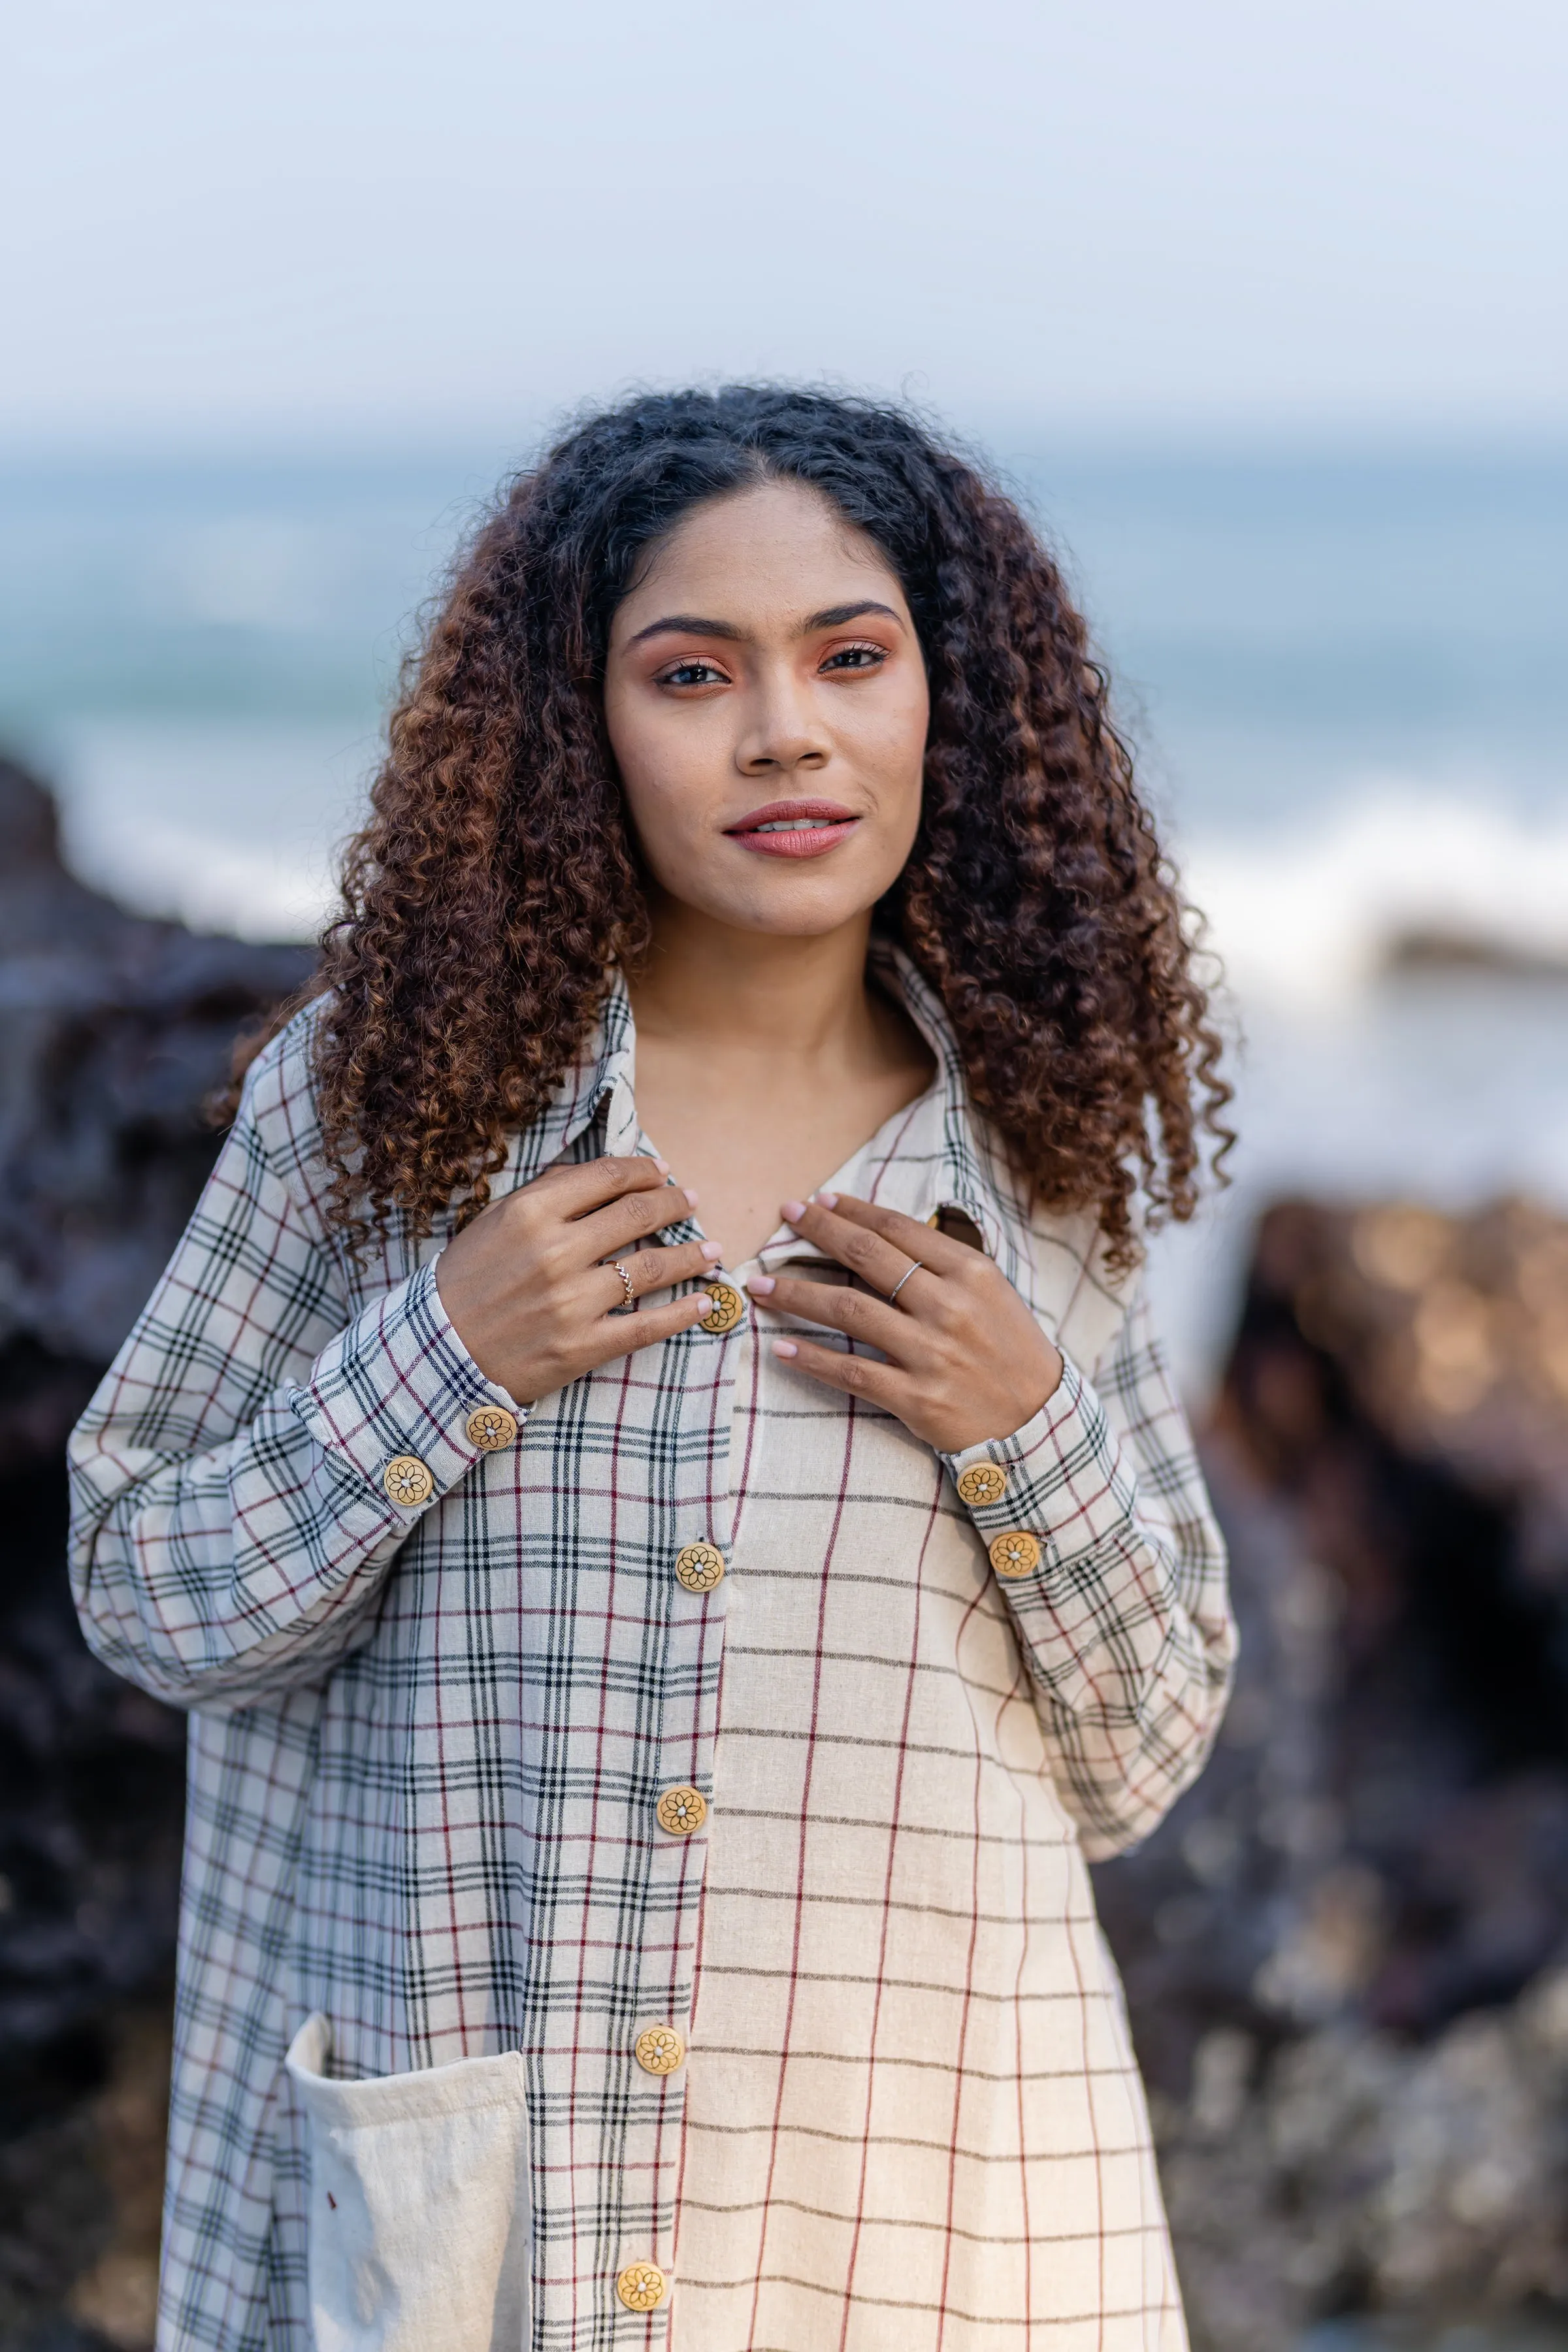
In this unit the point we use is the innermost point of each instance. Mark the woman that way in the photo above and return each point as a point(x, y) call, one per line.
point(647, 1471)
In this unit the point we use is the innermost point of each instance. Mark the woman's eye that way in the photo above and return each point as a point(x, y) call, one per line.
point(855, 657)
point(691, 673)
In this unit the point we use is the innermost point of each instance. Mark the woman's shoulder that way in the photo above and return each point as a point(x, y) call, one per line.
point(1089, 1300)
point(278, 1104)
point(1081, 1296)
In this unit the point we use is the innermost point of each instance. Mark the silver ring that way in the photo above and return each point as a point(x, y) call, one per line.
point(914, 1266)
point(626, 1281)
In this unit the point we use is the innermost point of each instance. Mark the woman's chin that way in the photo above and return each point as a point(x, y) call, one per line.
point(801, 912)
point(780, 899)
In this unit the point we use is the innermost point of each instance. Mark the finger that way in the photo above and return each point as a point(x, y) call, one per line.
point(658, 1269)
point(623, 1335)
point(585, 1186)
point(880, 1263)
point(880, 1384)
point(853, 1312)
point(937, 1252)
point(621, 1223)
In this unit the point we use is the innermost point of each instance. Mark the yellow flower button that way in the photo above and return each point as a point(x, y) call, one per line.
point(660, 2049)
point(407, 1481)
point(641, 2286)
point(983, 1482)
point(682, 1810)
point(491, 1428)
point(726, 1310)
point(1015, 1554)
point(700, 1567)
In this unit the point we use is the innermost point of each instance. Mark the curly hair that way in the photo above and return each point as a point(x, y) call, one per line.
point(497, 883)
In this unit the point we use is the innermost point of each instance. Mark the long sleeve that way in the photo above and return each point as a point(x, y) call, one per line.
point(232, 1522)
point(1098, 1524)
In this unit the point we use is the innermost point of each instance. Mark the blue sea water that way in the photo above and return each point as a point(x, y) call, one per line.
point(1345, 675)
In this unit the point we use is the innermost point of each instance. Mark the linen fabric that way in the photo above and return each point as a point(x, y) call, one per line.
point(426, 1746)
point(418, 2227)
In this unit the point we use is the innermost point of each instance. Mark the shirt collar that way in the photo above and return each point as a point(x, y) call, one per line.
point(958, 1163)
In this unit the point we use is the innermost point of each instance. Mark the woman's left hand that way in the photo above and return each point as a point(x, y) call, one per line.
point(966, 1359)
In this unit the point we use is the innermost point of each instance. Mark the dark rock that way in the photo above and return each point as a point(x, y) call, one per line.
point(1422, 953)
point(1346, 1951)
point(113, 1033)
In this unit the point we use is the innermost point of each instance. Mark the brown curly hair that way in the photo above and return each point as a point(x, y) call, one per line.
point(498, 883)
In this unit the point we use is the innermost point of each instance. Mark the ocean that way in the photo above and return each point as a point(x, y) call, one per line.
point(1344, 676)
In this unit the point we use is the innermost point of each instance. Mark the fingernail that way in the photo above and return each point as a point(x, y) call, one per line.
point(786, 1348)
point(759, 1285)
point(712, 1251)
point(792, 1211)
point(702, 1302)
point(662, 1165)
point(690, 1198)
point(828, 1199)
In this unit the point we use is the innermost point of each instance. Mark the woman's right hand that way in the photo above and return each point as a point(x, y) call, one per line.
point(529, 1287)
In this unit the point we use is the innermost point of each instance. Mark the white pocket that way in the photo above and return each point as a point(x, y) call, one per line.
point(419, 2228)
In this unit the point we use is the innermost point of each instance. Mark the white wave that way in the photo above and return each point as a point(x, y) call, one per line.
point(255, 891)
point(227, 825)
point(1302, 916)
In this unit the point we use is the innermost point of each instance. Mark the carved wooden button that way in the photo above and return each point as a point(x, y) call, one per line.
point(983, 1482)
point(1016, 1553)
point(700, 1567)
point(407, 1481)
point(682, 1810)
point(660, 2049)
point(727, 1308)
point(641, 2286)
point(491, 1428)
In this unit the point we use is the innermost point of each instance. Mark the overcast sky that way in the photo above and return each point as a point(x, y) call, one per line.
point(286, 219)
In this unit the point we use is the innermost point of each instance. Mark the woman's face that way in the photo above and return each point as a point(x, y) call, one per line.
point(767, 704)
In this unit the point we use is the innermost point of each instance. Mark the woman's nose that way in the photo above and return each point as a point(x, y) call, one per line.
point(782, 732)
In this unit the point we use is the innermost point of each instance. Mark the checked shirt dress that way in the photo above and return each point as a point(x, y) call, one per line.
point(635, 1888)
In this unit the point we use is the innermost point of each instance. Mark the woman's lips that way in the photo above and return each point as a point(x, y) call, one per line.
point(794, 828)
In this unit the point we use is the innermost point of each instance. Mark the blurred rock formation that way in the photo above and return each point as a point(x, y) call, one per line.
point(1346, 1951)
point(112, 1032)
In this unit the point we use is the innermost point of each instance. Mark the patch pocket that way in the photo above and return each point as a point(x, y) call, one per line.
point(419, 2222)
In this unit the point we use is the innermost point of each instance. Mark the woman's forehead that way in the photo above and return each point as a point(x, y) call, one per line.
point(779, 545)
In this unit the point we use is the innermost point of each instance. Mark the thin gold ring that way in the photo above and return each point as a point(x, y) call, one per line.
point(626, 1281)
point(913, 1268)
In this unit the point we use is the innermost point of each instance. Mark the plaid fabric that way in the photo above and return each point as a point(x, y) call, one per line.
point(428, 1744)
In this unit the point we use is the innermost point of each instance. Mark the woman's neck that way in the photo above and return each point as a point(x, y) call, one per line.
point(735, 991)
point(762, 1063)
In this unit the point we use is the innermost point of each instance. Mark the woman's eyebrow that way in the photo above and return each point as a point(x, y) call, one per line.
point(686, 624)
point(835, 615)
point(692, 624)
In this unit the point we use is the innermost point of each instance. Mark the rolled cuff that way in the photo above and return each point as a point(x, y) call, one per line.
point(1059, 1479)
point(399, 1387)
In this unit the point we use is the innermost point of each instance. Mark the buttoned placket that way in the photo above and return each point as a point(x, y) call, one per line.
point(684, 1808)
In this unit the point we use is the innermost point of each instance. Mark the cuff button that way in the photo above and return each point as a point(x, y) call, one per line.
point(983, 1482)
point(407, 1481)
point(1016, 1553)
point(491, 1428)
